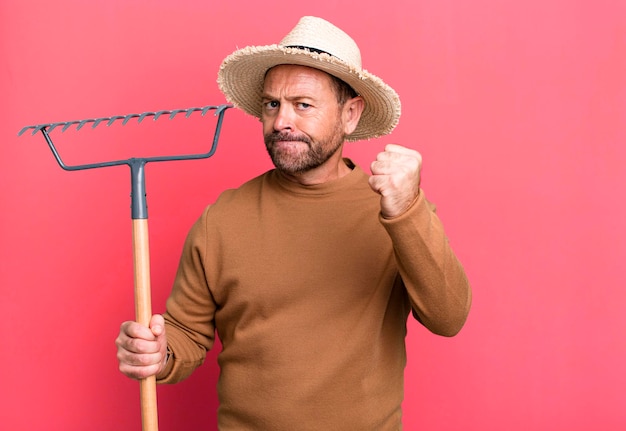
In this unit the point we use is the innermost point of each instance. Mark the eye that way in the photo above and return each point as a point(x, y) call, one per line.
point(303, 105)
point(272, 104)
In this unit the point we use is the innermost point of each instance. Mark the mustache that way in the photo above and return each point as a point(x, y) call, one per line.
point(272, 138)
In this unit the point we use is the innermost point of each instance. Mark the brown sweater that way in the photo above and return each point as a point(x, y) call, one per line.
point(309, 290)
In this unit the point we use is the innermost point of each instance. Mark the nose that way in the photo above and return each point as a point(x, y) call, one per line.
point(284, 119)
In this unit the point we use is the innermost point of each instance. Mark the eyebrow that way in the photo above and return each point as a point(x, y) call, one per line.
point(266, 96)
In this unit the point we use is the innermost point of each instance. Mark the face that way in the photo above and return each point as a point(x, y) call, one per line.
point(303, 124)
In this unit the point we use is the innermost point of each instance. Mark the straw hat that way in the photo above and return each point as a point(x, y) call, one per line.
point(316, 43)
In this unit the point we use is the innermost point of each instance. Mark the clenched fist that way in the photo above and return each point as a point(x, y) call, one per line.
point(396, 177)
point(141, 350)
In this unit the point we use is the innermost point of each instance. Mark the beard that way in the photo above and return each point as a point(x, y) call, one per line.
point(297, 161)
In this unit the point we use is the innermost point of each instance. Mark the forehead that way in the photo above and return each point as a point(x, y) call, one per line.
point(292, 75)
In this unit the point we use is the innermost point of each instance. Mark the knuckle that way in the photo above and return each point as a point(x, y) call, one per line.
point(136, 345)
point(120, 354)
point(142, 360)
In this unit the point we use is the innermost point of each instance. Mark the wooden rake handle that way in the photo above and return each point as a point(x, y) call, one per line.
point(143, 313)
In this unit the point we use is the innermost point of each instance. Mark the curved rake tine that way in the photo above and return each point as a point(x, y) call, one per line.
point(83, 122)
point(128, 117)
point(144, 115)
point(54, 126)
point(159, 113)
point(114, 118)
point(178, 111)
point(67, 125)
point(40, 128)
point(21, 132)
point(97, 121)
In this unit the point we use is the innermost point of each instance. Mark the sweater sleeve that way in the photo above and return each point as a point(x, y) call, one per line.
point(189, 319)
point(434, 278)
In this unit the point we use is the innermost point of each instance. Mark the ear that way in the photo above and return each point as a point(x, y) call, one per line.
point(352, 111)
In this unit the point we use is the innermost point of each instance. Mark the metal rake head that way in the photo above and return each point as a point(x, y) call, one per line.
point(124, 118)
point(136, 164)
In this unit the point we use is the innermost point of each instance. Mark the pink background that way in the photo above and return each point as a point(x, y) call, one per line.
point(519, 110)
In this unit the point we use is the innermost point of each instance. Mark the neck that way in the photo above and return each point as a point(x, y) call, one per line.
point(334, 168)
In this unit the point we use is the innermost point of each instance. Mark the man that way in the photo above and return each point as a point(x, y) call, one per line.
point(309, 271)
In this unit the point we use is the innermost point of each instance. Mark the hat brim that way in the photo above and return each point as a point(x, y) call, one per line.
point(242, 73)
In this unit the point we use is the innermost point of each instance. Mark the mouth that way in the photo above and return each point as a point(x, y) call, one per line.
point(287, 139)
point(287, 143)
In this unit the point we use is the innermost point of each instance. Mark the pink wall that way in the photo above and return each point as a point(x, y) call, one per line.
point(519, 109)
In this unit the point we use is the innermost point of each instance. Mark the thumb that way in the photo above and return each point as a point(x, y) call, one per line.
point(157, 324)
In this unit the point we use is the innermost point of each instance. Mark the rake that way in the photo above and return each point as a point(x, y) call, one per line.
point(139, 216)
